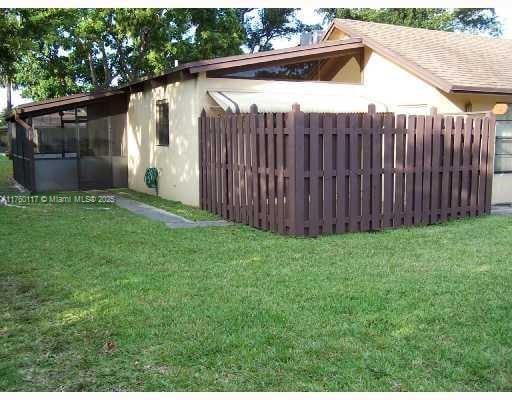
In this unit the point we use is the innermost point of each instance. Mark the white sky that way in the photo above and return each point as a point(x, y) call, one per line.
point(307, 15)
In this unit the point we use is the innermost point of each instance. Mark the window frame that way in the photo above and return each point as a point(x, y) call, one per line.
point(159, 126)
point(506, 119)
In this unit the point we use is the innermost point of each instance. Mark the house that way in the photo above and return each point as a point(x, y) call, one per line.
point(110, 138)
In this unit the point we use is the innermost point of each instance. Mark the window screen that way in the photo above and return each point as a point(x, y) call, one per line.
point(344, 68)
point(162, 123)
point(503, 159)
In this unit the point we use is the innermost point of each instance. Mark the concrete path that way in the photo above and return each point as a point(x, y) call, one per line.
point(171, 220)
point(505, 209)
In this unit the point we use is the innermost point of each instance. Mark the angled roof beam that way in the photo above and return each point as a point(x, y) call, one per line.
point(298, 52)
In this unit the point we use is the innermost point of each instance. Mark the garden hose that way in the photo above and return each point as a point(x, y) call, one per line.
point(151, 178)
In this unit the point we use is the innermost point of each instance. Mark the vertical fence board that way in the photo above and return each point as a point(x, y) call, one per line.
point(418, 176)
point(389, 156)
point(366, 173)
point(427, 169)
point(466, 165)
point(314, 174)
point(435, 199)
point(229, 156)
point(475, 164)
point(491, 124)
point(248, 121)
point(355, 166)
point(341, 178)
point(262, 166)
point(201, 158)
point(271, 173)
point(206, 163)
point(457, 141)
point(254, 170)
point(224, 201)
point(447, 165)
point(328, 172)
point(482, 177)
point(245, 158)
point(280, 154)
point(398, 213)
point(376, 185)
point(215, 174)
point(409, 175)
point(236, 169)
point(295, 160)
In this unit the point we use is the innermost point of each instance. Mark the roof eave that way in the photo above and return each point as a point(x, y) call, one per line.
point(32, 109)
point(481, 90)
point(277, 55)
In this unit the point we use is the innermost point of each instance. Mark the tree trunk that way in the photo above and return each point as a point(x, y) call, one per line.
point(8, 89)
point(91, 69)
point(106, 69)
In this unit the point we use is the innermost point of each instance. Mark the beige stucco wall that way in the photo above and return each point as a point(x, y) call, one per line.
point(400, 89)
point(177, 163)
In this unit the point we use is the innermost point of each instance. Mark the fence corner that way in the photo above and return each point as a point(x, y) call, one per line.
point(296, 131)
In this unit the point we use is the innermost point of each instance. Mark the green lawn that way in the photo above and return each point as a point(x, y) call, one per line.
point(176, 207)
point(95, 298)
point(5, 172)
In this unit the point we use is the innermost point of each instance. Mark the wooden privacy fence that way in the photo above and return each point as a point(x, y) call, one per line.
point(308, 174)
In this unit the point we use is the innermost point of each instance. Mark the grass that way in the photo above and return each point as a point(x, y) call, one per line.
point(176, 207)
point(5, 172)
point(96, 298)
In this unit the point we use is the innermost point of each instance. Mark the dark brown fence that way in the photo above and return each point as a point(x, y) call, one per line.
point(309, 174)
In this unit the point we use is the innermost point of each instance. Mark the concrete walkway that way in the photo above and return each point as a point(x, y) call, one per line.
point(504, 209)
point(173, 221)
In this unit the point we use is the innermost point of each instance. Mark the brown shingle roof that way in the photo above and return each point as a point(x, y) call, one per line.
point(451, 61)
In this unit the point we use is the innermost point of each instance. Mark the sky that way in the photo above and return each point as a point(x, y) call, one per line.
point(308, 16)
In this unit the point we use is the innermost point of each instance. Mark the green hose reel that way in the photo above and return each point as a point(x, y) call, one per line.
point(151, 178)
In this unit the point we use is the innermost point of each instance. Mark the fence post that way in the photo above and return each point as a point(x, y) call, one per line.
point(372, 110)
point(254, 165)
point(295, 124)
point(491, 120)
point(202, 141)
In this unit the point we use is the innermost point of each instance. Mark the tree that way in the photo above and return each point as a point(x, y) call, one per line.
point(12, 42)
point(73, 50)
point(474, 20)
point(84, 49)
point(265, 24)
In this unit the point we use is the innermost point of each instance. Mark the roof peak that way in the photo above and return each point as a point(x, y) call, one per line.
point(469, 35)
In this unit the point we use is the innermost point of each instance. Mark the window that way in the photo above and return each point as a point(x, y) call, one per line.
point(503, 159)
point(345, 68)
point(162, 123)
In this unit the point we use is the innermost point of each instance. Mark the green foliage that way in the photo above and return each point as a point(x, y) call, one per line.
point(475, 20)
point(73, 50)
point(3, 115)
point(266, 24)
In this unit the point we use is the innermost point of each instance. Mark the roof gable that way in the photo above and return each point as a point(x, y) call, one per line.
point(452, 62)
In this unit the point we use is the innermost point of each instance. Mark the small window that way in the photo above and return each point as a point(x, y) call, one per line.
point(503, 160)
point(162, 123)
